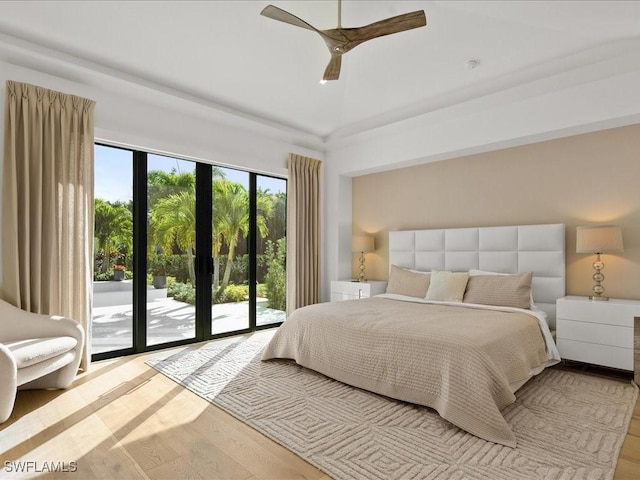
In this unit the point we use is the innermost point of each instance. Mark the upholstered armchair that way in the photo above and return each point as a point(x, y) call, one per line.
point(36, 352)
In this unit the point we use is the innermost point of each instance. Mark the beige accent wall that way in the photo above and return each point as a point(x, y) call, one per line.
point(579, 180)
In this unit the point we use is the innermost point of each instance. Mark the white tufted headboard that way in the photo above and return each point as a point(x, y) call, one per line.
point(524, 248)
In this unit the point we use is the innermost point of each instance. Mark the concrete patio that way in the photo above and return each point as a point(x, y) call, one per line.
point(167, 319)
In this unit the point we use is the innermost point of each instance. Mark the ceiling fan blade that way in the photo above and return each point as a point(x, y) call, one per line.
point(399, 23)
point(341, 40)
point(332, 72)
point(283, 16)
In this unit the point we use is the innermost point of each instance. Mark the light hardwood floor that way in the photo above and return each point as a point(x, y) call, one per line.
point(124, 420)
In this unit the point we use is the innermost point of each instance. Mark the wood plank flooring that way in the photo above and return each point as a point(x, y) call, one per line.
point(123, 420)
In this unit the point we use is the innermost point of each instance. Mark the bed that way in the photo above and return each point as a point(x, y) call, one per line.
point(462, 354)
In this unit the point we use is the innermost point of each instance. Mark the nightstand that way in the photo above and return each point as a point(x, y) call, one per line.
point(596, 332)
point(351, 290)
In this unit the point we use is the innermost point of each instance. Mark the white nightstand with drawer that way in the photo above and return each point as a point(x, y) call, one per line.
point(350, 290)
point(597, 332)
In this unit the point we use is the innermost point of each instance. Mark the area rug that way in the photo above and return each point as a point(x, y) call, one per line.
point(568, 425)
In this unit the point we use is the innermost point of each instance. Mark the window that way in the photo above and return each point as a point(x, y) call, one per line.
point(185, 251)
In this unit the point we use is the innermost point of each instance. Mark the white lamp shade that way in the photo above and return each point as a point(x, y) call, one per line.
point(362, 243)
point(599, 239)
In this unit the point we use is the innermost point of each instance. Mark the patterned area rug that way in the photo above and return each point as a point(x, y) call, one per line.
point(568, 425)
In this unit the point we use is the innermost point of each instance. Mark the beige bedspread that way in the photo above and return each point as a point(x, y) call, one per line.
point(458, 360)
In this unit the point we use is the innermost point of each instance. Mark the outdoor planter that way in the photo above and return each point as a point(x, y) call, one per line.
point(118, 275)
point(159, 281)
point(158, 269)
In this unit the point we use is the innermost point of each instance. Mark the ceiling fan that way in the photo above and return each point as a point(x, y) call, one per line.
point(340, 40)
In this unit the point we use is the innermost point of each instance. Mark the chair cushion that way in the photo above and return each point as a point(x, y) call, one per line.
point(35, 350)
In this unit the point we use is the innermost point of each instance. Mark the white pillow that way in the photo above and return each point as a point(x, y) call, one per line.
point(475, 273)
point(447, 286)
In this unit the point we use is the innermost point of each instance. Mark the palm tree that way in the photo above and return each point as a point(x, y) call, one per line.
point(267, 204)
point(174, 222)
point(113, 227)
point(278, 218)
point(231, 219)
point(231, 214)
point(161, 184)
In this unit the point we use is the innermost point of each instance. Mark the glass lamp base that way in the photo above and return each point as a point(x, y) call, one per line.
point(598, 277)
point(598, 298)
point(361, 277)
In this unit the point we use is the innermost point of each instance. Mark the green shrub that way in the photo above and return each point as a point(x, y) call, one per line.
point(157, 265)
point(178, 266)
point(236, 293)
point(182, 292)
point(275, 281)
point(108, 276)
point(103, 277)
point(239, 268)
point(175, 288)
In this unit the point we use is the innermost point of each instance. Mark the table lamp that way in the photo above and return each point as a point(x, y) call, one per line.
point(598, 239)
point(362, 244)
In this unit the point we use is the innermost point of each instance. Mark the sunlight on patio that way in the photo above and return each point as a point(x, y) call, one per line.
point(168, 320)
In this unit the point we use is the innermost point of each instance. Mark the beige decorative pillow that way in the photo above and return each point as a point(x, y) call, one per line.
point(447, 286)
point(500, 290)
point(408, 282)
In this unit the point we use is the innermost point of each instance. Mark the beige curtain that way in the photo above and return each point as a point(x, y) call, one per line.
point(47, 203)
point(303, 232)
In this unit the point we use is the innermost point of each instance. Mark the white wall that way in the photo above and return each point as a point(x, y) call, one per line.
point(603, 94)
point(336, 228)
point(171, 125)
point(140, 116)
point(594, 97)
point(555, 181)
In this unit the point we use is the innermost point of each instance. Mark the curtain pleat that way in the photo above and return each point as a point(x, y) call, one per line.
point(303, 232)
point(47, 203)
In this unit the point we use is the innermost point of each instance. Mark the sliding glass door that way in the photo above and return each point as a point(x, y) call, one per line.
point(271, 250)
point(185, 251)
point(170, 250)
point(112, 320)
point(230, 204)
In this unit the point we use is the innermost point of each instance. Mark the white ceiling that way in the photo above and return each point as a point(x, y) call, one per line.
point(227, 54)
